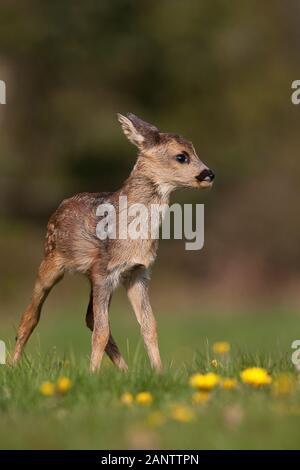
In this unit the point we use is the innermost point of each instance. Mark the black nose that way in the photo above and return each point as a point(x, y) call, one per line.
point(206, 175)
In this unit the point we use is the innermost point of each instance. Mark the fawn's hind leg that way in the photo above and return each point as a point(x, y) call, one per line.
point(111, 349)
point(50, 272)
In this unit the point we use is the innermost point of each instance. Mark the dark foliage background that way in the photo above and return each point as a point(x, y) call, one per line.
point(218, 72)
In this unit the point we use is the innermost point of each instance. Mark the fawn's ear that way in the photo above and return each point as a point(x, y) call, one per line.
point(138, 132)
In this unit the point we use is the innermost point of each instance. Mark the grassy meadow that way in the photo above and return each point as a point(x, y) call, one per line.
point(92, 415)
point(221, 75)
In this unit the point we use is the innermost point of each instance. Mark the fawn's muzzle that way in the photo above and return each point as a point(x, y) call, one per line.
point(206, 175)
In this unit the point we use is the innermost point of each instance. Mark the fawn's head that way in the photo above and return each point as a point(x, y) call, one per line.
point(168, 159)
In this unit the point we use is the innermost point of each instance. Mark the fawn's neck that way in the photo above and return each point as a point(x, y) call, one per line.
point(145, 189)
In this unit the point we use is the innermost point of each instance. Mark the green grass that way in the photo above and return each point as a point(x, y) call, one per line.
point(91, 416)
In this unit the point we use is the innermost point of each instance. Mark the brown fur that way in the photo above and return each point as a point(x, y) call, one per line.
point(72, 245)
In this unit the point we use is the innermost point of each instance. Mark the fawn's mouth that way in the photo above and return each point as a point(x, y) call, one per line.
point(206, 178)
point(205, 184)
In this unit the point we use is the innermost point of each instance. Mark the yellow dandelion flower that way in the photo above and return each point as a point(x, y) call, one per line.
point(63, 385)
point(255, 376)
point(221, 347)
point(214, 363)
point(229, 383)
point(156, 419)
point(47, 389)
point(284, 384)
point(144, 398)
point(182, 413)
point(200, 397)
point(127, 398)
point(204, 381)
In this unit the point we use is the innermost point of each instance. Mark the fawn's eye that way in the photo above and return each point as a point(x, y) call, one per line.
point(182, 158)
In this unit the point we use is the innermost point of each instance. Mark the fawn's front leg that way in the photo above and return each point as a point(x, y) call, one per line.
point(100, 335)
point(137, 291)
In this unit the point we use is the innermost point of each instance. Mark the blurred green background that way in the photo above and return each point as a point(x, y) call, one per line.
point(217, 72)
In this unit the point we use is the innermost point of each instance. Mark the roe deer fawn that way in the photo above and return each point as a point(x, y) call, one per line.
point(165, 161)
